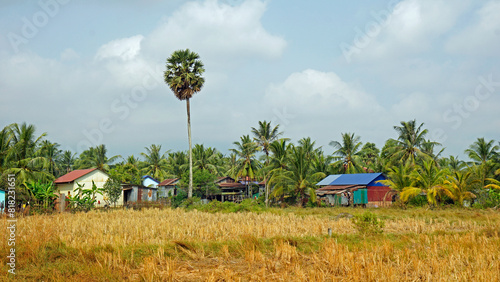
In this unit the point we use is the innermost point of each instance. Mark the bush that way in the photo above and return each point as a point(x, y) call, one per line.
point(190, 203)
point(178, 199)
point(418, 201)
point(368, 223)
point(487, 199)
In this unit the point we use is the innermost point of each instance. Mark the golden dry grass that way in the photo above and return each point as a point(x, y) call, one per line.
point(179, 245)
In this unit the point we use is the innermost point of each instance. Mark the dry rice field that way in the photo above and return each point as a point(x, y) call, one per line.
point(276, 245)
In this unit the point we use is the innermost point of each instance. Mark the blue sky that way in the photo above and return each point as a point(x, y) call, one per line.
point(90, 72)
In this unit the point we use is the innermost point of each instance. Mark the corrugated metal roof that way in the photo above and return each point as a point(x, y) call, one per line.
point(349, 179)
point(169, 182)
point(356, 179)
point(74, 175)
point(328, 180)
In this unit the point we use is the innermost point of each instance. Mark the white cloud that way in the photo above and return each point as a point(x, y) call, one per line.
point(321, 105)
point(218, 32)
point(124, 48)
point(316, 91)
point(69, 55)
point(411, 28)
point(482, 38)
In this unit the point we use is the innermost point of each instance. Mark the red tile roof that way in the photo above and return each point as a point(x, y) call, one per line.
point(168, 182)
point(74, 175)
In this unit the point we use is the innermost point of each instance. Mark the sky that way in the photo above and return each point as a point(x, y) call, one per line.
point(91, 72)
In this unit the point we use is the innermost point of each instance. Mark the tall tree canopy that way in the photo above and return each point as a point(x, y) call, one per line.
point(184, 77)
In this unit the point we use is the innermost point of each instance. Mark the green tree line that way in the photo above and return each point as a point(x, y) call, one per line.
point(414, 165)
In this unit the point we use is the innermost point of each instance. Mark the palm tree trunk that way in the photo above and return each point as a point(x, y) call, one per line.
point(190, 188)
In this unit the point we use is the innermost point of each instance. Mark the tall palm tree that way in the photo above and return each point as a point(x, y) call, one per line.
point(155, 163)
point(183, 77)
point(409, 143)
point(265, 135)
point(347, 153)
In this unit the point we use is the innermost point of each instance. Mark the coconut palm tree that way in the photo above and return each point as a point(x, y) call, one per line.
point(51, 153)
point(428, 179)
point(322, 163)
point(347, 153)
point(183, 77)
point(178, 162)
point(155, 163)
point(453, 164)
point(408, 146)
point(483, 155)
point(495, 184)
point(298, 180)
point(5, 148)
point(308, 146)
point(247, 163)
point(67, 161)
point(278, 162)
point(369, 154)
point(26, 163)
point(206, 159)
point(398, 178)
point(25, 143)
point(265, 135)
point(96, 157)
point(428, 148)
point(482, 151)
point(457, 187)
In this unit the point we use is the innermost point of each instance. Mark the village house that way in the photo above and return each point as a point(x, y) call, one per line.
point(168, 187)
point(67, 183)
point(148, 181)
point(138, 193)
point(355, 189)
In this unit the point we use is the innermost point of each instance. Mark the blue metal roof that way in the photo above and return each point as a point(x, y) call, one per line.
point(350, 179)
point(329, 179)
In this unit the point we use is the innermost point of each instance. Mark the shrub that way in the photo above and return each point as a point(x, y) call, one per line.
point(368, 223)
point(179, 198)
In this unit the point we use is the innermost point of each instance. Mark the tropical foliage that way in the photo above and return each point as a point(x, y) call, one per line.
point(414, 166)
